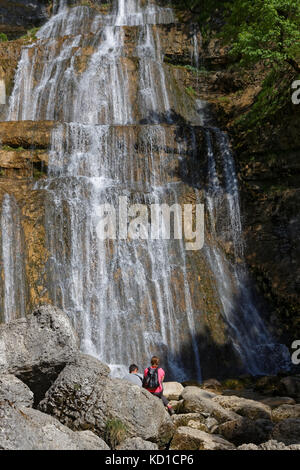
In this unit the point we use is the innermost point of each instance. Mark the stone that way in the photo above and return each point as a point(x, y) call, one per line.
point(180, 420)
point(28, 429)
point(187, 438)
point(212, 384)
point(194, 402)
point(290, 386)
point(36, 348)
point(244, 407)
point(136, 443)
point(274, 402)
point(15, 391)
point(172, 390)
point(285, 412)
point(26, 134)
point(269, 445)
point(287, 431)
point(191, 390)
point(245, 430)
point(211, 424)
point(84, 397)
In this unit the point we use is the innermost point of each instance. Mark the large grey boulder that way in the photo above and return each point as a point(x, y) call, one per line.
point(197, 392)
point(287, 431)
point(275, 402)
point(172, 390)
point(187, 438)
point(248, 408)
point(200, 401)
point(84, 397)
point(244, 430)
point(15, 391)
point(28, 429)
point(36, 348)
point(136, 443)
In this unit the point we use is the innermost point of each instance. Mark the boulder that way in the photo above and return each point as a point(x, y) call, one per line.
point(285, 412)
point(248, 408)
point(15, 391)
point(36, 348)
point(269, 445)
point(287, 431)
point(245, 430)
point(28, 429)
point(187, 438)
point(172, 390)
point(180, 420)
point(191, 390)
point(290, 386)
point(84, 397)
point(195, 402)
point(212, 384)
point(136, 443)
point(274, 402)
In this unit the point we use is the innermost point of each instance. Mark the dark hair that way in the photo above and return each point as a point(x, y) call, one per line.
point(154, 361)
point(132, 368)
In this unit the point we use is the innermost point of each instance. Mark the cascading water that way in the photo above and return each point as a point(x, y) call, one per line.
point(248, 331)
point(14, 292)
point(111, 143)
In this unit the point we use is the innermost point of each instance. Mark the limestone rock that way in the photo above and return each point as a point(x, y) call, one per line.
point(285, 412)
point(287, 431)
point(269, 445)
point(191, 390)
point(244, 407)
point(172, 390)
point(187, 438)
point(27, 429)
point(194, 402)
point(37, 347)
point(180, 420)
point(245, 430)
point(15, 391)
point(212, 384)
point(274, 402)
point(136, 443)
point(84, 397)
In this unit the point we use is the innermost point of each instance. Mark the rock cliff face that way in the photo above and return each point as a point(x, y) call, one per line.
point(180, 158)
point(16, 17)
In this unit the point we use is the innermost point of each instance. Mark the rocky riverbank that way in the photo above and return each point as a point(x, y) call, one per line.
point(54, 397)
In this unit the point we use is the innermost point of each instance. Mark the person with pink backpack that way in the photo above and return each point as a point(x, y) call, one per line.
point(153, 382)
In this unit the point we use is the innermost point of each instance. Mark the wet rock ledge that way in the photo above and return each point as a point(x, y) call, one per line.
point(54, 397)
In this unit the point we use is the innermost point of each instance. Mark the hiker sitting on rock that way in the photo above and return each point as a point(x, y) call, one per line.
point(153, 379)
point(133, 376)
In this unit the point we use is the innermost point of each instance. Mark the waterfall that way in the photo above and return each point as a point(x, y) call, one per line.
point(117, 141)
point(249, 333)
point(14, 293)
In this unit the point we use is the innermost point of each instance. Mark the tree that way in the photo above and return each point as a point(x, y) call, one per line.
point(267, 30)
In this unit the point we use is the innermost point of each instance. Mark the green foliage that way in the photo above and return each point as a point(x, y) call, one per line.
point(257, 30)
point(114, 433)
point(31, 34)
point(267, 30)
point(3, 37)
point(190, 91)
